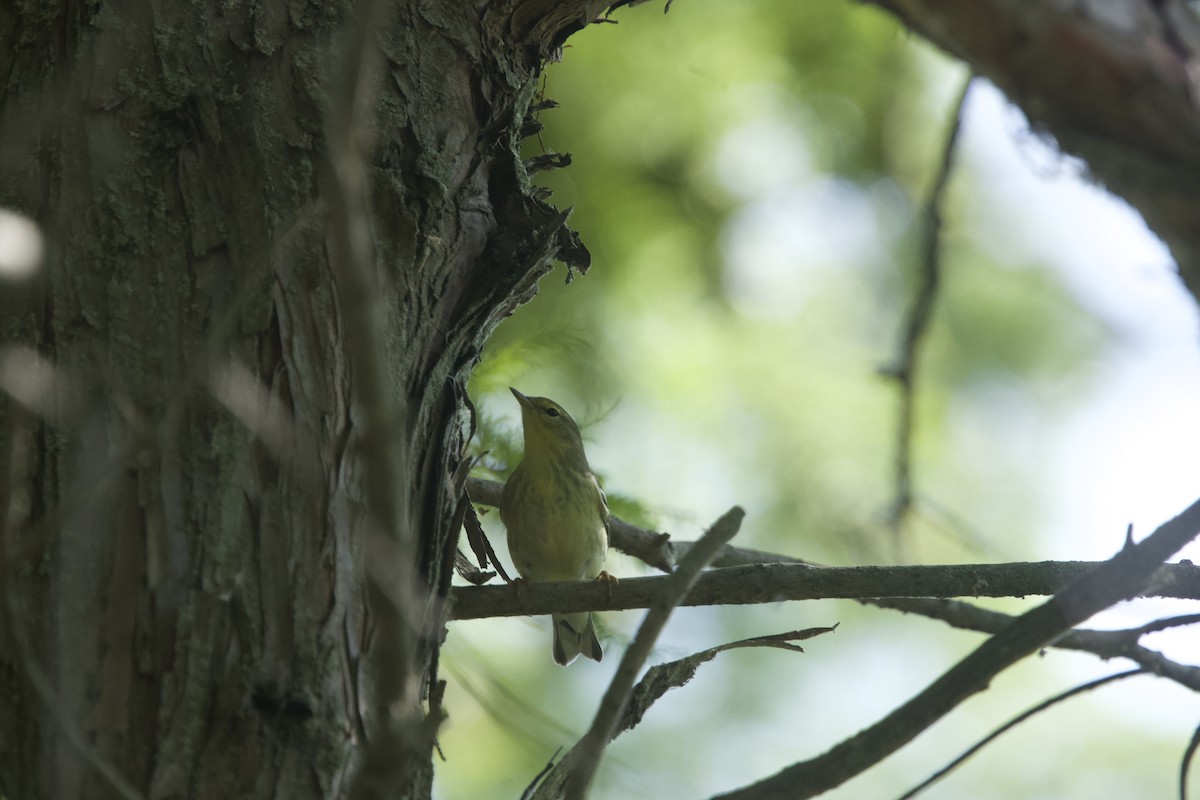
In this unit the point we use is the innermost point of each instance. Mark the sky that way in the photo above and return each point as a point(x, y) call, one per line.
point(1129, 453)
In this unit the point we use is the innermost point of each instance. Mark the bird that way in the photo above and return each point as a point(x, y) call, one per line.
point(557, 517)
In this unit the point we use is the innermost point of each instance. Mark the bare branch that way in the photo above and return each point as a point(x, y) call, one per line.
point(661, 678)
point(1167, 623)
point(1176, 580)
point(1104, 644)
point(1119, 578)
point(919, 316)
point(771, 583)
point(537, 779)
point(1012, 723)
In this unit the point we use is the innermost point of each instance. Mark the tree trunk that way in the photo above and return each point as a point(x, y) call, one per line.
point(185, 514)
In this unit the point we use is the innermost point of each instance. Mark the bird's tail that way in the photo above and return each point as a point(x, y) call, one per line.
point(574, 635)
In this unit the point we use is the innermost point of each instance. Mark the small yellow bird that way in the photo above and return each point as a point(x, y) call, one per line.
point(557, 517)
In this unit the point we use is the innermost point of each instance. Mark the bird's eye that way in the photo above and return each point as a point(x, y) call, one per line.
point(551, 412)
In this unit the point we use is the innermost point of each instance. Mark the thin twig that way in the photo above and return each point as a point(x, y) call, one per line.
point(1102, 644)
point(585, 756)
point(917, 323)
point(537, 779)
point(1167, 623)
point(664, 677)
point(1012, 723)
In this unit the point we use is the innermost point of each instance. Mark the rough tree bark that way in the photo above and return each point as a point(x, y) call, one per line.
point(193, 589)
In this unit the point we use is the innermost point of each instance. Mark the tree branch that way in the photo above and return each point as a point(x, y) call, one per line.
point(1117, 579)
point(1116, 83)
point(1104, 644)
point(1171, 580)
point(771, 583)
point(919, 316)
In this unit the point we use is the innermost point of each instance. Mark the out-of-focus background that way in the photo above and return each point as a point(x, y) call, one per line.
point(749, 178)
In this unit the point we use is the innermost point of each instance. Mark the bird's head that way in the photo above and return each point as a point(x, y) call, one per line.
point(549, 430)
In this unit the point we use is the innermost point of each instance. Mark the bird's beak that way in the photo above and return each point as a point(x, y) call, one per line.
point(522, 399)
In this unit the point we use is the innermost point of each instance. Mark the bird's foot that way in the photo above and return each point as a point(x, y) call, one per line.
point(608, 580)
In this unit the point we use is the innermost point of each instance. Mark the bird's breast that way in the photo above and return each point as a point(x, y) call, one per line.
point(555, 528)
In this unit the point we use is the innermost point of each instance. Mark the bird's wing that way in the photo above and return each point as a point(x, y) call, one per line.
point(604, 514)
